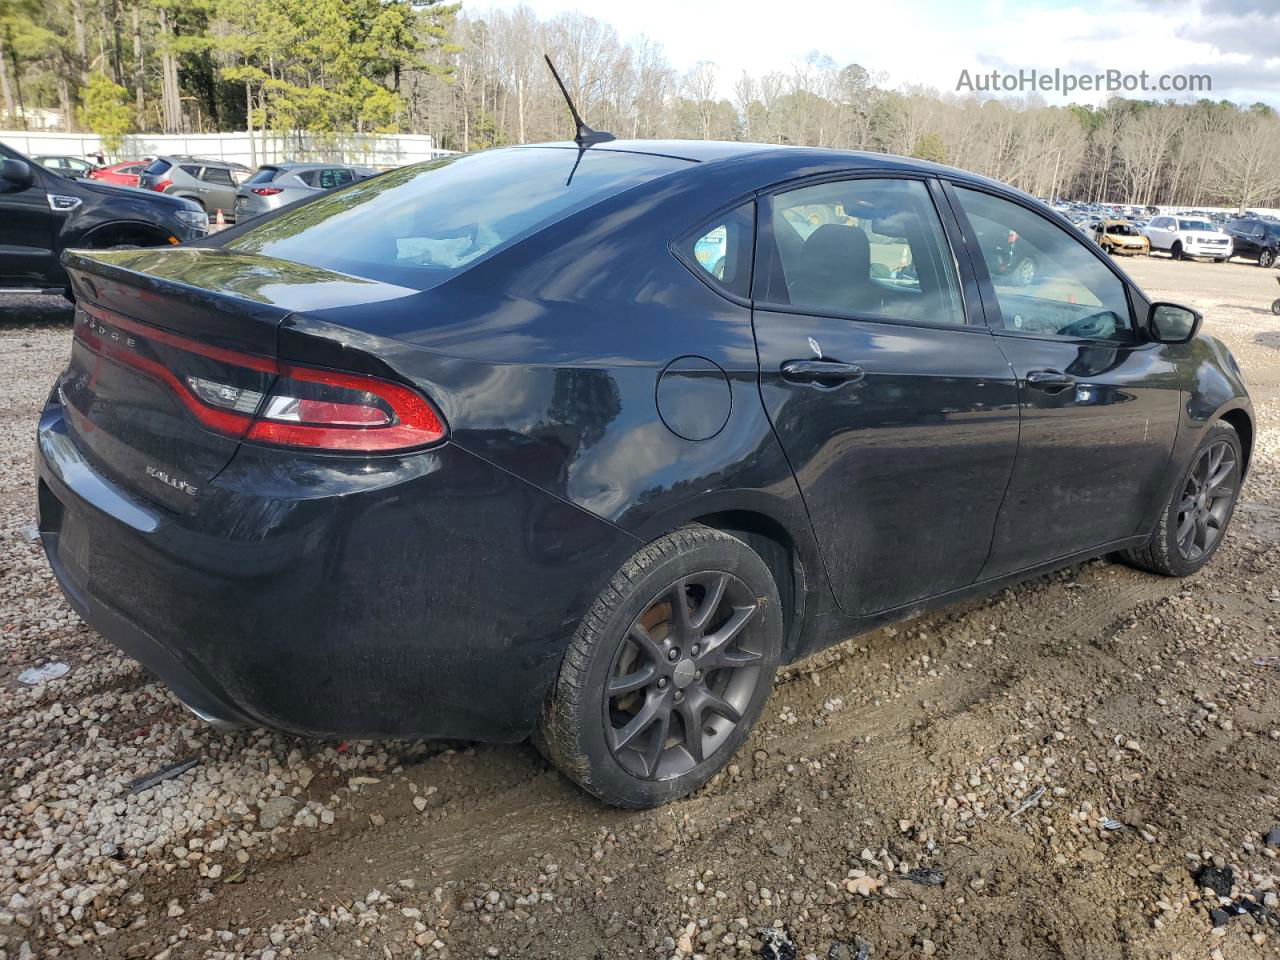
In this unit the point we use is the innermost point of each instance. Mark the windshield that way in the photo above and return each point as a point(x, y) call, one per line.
point(1195, 225)
point(420, 225)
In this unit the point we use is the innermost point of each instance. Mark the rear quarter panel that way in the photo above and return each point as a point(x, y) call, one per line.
point(545, 361)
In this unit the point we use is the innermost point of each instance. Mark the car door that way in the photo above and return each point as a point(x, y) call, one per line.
point(28, 225)
point(1243, 243)
point(1099, 401)
point(219, 189)
point(1160, 232)
point(333, 177)
point(897, 411)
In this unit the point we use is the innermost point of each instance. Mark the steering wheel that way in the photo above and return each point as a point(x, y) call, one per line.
point(1096, 326)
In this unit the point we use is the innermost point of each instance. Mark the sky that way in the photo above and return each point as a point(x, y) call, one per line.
point(929, 42)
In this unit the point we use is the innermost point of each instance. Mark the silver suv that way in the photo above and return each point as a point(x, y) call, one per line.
point(277, 185)
point(210, 183)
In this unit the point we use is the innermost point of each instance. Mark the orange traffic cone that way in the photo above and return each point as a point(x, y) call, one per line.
point(220, 222)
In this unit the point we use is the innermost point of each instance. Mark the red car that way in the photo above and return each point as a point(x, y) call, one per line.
point(124, 173)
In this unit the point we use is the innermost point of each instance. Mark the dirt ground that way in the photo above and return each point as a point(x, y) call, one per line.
point(1058, 770)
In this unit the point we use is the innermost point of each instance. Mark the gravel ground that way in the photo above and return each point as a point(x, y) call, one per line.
point(1086, 765)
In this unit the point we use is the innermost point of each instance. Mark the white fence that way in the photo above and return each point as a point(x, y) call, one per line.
point(375, 150)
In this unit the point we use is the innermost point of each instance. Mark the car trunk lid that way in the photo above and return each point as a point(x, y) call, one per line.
point(173, 353)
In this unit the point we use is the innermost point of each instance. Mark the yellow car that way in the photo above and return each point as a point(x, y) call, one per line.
point(1121, 237)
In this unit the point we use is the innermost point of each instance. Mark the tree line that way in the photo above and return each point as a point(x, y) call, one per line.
point(475, 80)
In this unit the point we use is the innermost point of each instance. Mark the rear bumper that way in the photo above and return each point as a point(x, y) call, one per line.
point(424, 595)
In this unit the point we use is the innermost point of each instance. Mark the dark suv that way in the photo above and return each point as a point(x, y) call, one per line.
point(42, 214)
point(1256, 239)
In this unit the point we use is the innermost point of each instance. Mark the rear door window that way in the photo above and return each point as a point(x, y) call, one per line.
point(335, 177)
point(219, 175)
point(193, 169)
point(421, 224)
point(863, 248)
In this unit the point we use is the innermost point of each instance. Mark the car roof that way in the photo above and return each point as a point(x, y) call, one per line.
point(803, 160)
point(309, 165)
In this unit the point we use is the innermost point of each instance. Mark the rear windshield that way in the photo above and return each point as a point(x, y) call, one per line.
point(158, 167)
point(264, 175)
point(420, 225)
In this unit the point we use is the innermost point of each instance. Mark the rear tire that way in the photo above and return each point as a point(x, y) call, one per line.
point(615, 722)
point(1199, 510)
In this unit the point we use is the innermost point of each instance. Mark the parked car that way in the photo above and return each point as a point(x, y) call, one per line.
point(487, 447)
point(1121, 237)
point(1255, 238)
point(1187, 237)
point(210, 183)
point(277, 185)
point(42, 214)
point(124, 174)
point(66, 166)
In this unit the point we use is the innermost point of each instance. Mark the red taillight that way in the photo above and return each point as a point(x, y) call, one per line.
point(267, 191)
point(162, 185)
point(304, 407)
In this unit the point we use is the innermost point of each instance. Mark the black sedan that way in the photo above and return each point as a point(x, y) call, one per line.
point(583, 444)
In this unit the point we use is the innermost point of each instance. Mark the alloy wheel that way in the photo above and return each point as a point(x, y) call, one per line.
point(1266, 258)
point(684, 675)
point(1206, 500)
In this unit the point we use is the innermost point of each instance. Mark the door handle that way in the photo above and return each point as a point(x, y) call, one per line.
point(824, 372)
point(1050, 380)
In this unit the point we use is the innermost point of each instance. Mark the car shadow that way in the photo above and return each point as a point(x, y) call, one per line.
point(24, 310)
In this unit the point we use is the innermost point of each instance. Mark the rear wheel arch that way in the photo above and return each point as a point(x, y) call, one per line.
point(774, 544)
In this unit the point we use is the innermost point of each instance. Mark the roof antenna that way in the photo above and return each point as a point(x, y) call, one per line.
point(584, 136)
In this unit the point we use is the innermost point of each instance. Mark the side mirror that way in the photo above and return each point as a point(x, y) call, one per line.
point(1171, 323)
point(16, 172)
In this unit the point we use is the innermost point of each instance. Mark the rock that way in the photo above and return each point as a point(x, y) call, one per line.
point(1272, 838)
point(1217, 879)
point(776, 944)
point(275, 810)
point(1219, 917)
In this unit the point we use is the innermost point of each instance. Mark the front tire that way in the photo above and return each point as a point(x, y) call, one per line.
point(668, 671)
point(1196, 517)
point(1176, 251)
point(1266, 258)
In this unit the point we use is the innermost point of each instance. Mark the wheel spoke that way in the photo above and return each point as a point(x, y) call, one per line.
point(1187, 525)
point(691, 715)
point(642, 639)
point(710, 602)
point(714, 652)
point(1216, 453)
point(1202, 531)
point(655, 704)
point(717, 704)
point(1219, 476)
point(635, 680)
point(680, 614)
point(652, 756)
